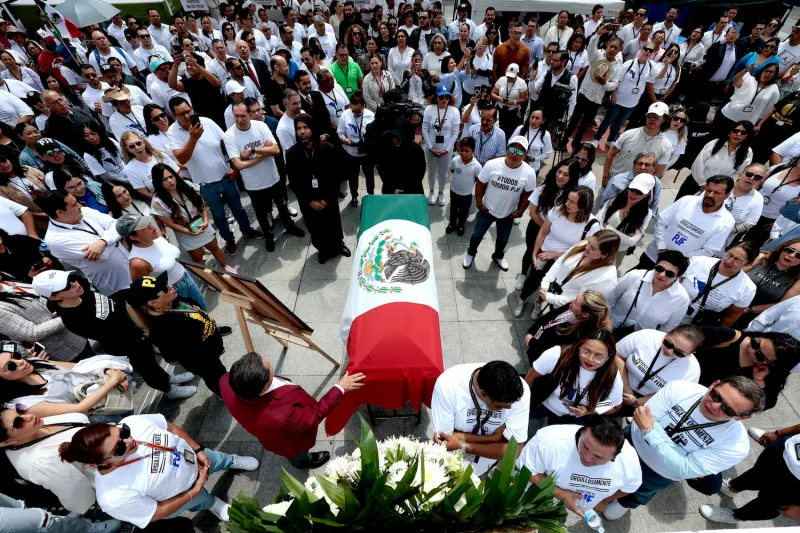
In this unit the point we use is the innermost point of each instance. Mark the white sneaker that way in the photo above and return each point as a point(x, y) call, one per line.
point(441, 198)
point(536, 311)
point(517, 221)
point(595, 143)
point(244, 462)
point(520, 282)
point(614, 511)
point(756, 434)
point(726, 488)
point(228, 268)
point(468, 259)
point(180, 379)
point(722, 515)
point(502, 263)
point(181, 392)
point(106, 526)
point(292, 211)
point(432, 198)
point(219, 509)
point(519, 309)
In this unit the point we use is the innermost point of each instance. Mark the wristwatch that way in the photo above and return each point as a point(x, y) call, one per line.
point(199, 449)
point(464, 446)
point(646, 431)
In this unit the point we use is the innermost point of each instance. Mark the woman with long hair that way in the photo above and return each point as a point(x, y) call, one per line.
point(571, 383)
point(752, 96)
point(773, 26)
point(560, 180)
point(9, 139)
point(585, 155)
point(179, 205)
point(578, 60)
point(385, 40)
point(370, 49)
point(15, 71)
point(21, 259)
point(628, 213)
point(440, 124)
point(766, 55)
point(356, 40)
point(726, 156)
point(87, 193)
point(376, 82)
point(156, 123)
point(229, 38)
point(492, 39)
point(102, 154)
point(692, 50)
point(416, 80)
point(30, 134)
point(140, 158)
point(337, 16)
point(675, 132)
point(400, 56)
point(719, 290)
point(540, 145)
point(745, 203)
point(778, 189)
point(52, 83)
point(669, 72)
point(22, 184)
point(776, 275)
point(122, 199)
point(569, 323)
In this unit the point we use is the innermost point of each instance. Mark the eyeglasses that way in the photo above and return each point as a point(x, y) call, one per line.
point(20, 409)
point(753, 175)
point(53, 152)
point(669, 345)
point(737, 131)
point(731, 257)
point(11, 366)
point(588, 355)
point(716, 398)
point(160, 116)
point(641, 15)
point(580, 158)
point(648, 50)
point(136, 144)
point(682, 120)
point(768, 46)
point(89, 76)
point(121, 447)
point(515, 151)
point(792, 251)
point(661, 270)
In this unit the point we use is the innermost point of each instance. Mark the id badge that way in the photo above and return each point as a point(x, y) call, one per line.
point(314, 183)
point(439, 139)
point(189, 457)
point(635, 90)
point(538, 333)
point(338, 113)
point(690, 311)
point(348, 90)
point(748, 109)
point(779, 123)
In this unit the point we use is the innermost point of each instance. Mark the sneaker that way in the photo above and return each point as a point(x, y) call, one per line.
point(721, 515)
point(595, 143)
point(294, 230)
point(614, 510)
point(244, 462)
point(354, 201)
point(517, 221)
point(726, 488)
point(228, 268)
point(519, 309)
point(449, 229)
point(270, 244)
point(255, 234)
point(181, 392)
point(342, 194)
point(501, 262)
point(468, 260)
point(230, 248)
point(219, 509)
point(537, 310)
point(231, 221)
point(292, 211)
point(441, 198)
point(180, 379)
point(432, 198)
point(520, 281)
point(106, 526)
point(756, 434)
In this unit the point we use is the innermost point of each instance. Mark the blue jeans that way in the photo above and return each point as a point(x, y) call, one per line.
point(15, 518)
point(187, 288)
point(218, 461)
point(218, 194)
point(615, 118)
point(483, 221)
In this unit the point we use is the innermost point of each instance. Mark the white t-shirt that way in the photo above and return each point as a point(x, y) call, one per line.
point(788, 148)
point(505, 185)
point(547, 363)
point(12, 109)
point(683, 226)
point(775, 197)
point(334, 102)
point(717, 448)
point(124, 58)
point(788, 55)
point(632, 81)
point(512, 91)
point(739, 291)
point(91, 95)
point(588, 180)
point(9, 217)
point(207, 164)
point(640, 348)
point(263, 174)
point(565, 234)
point(119, 123)
point(462, 179)
point(636, 141)
point(745, 208)
point(161, 94)
point(110, 164)
point(540, 145)
point(132, 493)
point(749, 103)
point(553, 451)
point(452, 408)
point(139, 175)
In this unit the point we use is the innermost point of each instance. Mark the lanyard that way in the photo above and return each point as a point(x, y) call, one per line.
point(566, 316)
point(483, 142)
point(361, 123)
point(149, 445)
point(479, 423)
point(758, 90)
point(91, 230)
point(709, 287)
point(438, 117)
point(650, 373)
point(669, 75)
point(579, 394)
point(641, 70)
point(134, 120)
point(636, 33)
point(678, 428)
point(716, 38)
point(133, 205)
point(635, 299)
point(334, 100)
point(768, 197)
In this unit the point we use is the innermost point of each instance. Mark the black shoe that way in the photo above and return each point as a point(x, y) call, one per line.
point(342, 194)
point(345, 251)
point(270, 244)
point(449, 229)
point(322, 257)
point(294, 230)
point(460, 231)
point(315, 460)
point(224, 330)
point(354, 201)
point(255, 234)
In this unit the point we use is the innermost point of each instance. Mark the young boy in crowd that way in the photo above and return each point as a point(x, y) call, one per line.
point(465, 170)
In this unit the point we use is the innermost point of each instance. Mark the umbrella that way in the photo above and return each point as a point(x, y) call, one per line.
point(86, 12)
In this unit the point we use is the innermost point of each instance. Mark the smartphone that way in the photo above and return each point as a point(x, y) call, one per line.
point(39, 265)
point(476, 92)
point(195, 119)
point(38, 348)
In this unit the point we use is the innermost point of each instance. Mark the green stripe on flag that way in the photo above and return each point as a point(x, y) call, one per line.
point(377, 208)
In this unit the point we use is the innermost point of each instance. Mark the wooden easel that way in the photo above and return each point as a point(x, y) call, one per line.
point(254, 304)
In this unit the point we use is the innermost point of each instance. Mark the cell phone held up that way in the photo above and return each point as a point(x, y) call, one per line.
point(195, 119)
point(38, 348)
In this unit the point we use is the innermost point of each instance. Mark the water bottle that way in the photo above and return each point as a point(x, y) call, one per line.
point(43, 249)
point(591, 518)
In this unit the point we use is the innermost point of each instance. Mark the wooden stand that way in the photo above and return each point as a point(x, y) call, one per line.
point(254, 304)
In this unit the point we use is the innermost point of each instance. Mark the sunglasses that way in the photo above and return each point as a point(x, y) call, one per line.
point(791, 251)
point(661, 270)
point(716, 398)
point(251, 40)
point(753, 175)
point(580, 158)
point(669, 345)
point(160, 116)
point(515, 151)
point(146, 36)
point(737, 131)
point(3, 159)
point(651, 116)
point(121, 447)
point(755, 344)
point(648, 50)
point(491, 33)
point(641, 15)
point(53, 152)
point(20, 409)
point(772, 25)
point(129, 38)
point(11, 366)
point(135, 144)
point(679, 119)
point(89, 76)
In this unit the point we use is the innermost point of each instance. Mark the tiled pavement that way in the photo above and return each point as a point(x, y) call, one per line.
point(476, 325)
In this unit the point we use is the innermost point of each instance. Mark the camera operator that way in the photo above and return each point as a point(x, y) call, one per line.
point(556, 92)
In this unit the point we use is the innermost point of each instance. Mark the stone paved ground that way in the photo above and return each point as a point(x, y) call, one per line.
point(476, 325)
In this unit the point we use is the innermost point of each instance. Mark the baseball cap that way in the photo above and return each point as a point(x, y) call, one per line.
point(791, 451)
point(32, 97)
point(45, 144)
point(512, 71)
point(520, 140)
point(644, 183)
point(659, 108)
point(147, 288)
point(50, 281)
point(49, 39)
point(105, 69)
point(127, 224)
point(156, 62)
point(441, 90)
point(233, 87)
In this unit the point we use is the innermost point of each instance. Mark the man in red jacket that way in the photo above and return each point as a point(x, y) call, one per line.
point(279, 413)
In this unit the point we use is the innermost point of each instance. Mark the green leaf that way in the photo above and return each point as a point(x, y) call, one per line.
point(332, 491)
point(296, 488)
point(369, 454)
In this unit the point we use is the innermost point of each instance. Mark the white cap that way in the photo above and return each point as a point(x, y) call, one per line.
point(791, 454)
point(519, 139)
point(50, 281)
point(512, 71)
point(659, 108)
point(644, 183)
point(233, 87)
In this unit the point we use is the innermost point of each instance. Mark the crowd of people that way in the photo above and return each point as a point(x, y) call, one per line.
point(126, 145)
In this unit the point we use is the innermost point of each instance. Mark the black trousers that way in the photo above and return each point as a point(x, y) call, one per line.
point(582, 118)
point(773, 480)
point(206, 365)
point(262, 201)
point(143, 360)
point(459, 209)
point(352, 166)
point(531, 232)
point(509, 120)
point(181, 524)
point(534, 280)
point(689, 187)
point(760, 232)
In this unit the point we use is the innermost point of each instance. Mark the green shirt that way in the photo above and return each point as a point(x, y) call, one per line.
point(348, 76)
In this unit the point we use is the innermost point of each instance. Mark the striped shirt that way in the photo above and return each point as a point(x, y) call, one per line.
point(487, 146)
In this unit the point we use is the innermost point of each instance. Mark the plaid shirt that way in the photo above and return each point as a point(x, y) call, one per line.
point(487, 146)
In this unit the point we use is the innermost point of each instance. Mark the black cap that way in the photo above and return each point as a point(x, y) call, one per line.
point(147, 288)
point(45, 143)
point(105, 69)
point(33, 97)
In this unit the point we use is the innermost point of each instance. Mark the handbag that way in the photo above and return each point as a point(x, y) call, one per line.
point(115, 403)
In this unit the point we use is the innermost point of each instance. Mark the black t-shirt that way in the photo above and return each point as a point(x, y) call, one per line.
point(274, 92)
point(22, 252)
point(207, 101)
point(184, 329)
point(788, 112)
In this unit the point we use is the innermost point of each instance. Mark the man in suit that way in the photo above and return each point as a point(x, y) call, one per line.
point(720, 59)
point(256, 69)
point(279, 413)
